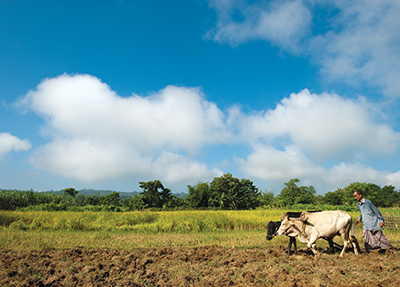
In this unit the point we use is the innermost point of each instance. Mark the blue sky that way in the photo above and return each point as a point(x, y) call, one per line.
point(104, 94)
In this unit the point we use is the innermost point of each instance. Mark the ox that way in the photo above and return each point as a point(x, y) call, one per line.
point(312, 226)
point(273, 226)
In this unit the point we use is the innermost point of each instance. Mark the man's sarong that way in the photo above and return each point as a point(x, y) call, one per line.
point(376, 239)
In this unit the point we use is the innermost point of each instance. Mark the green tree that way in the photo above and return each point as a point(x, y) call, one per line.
point(80, 199)
point(388, 197)
point(112, 199)
point(155, 194)
point(228, 192)
point(307, 195)
point(335, 198)
point(292, 194)
point(93, 200)
point(249, 195)
point(267, 198)
point(179, 202)
point(370, 191)
point(70, 191)
point(198, 195)
point(135, 203)
point(167, 198)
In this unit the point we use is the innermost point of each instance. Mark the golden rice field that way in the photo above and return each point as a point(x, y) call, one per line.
point(142, 221)
point(180, 248)
point(37, 230)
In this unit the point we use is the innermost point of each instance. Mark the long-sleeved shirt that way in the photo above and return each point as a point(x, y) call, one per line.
point(370, 215)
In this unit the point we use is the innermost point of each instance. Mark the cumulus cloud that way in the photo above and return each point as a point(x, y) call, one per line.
point(323, 139)
point(177, 168)
point(83, 106)
point(283, 23)
point(97, 134)
point(277, 167)
point(323, 126)
point(362, 45)
point(344, 173)
point(9, 143)
point(89, 160)
point(358, 44)
point(269, 163)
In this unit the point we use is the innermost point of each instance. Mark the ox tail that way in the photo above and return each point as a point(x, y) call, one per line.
point(353, 238)
point(353, 230)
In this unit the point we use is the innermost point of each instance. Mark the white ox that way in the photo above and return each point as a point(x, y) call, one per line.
point(312, 226)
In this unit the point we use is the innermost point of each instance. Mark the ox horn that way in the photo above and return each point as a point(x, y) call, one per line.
point(303, 216)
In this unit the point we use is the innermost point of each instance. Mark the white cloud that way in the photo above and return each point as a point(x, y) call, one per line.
point(97, 134)
point(89, 160)
point(269, 163)
point(9, 142)
point(363, 45)
point(343, 174)
point(394, 179)
point(177, 168)
point(359, 44)
point(284, 23)
point(277, 167)
point(83, 106)
point(324, 140)
point(324, 126)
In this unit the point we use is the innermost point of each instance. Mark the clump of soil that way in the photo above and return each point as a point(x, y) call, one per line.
point(201, 266)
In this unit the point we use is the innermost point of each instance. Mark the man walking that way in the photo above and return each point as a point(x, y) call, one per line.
point(373, 223)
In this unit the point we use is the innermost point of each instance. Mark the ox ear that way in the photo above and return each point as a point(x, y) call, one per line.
point(284, 216)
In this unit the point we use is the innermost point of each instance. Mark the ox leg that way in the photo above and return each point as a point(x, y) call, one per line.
point(331, 247)
point(311, 244)
point(355, 247)
point(346, 241)
point(292, 241)
point(315, 251)
point(295, 245)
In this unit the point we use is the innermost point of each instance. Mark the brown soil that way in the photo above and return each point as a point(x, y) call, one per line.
point(201, 266)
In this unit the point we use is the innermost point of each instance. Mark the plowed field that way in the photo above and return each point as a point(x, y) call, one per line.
point(200, 266)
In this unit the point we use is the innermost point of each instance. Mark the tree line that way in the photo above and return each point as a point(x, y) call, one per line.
point(224, 192)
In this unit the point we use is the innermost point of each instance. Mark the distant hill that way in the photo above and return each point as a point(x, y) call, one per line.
point(180, 194)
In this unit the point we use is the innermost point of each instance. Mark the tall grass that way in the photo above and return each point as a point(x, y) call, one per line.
point(142, 222)
point(38, 230)
point(42, 239)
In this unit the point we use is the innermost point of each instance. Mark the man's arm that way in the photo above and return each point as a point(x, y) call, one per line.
point(359, 219)
point(377, 213)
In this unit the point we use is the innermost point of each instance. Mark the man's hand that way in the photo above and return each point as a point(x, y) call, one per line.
point(382, 224)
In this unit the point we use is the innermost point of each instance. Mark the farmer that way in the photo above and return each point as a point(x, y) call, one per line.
point(373, 223)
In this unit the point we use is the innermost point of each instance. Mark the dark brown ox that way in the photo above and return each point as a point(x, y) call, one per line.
point(312, 226)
